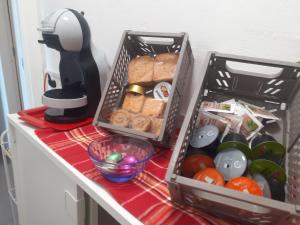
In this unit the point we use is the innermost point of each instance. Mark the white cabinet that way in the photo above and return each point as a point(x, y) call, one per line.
point(49, 191)
point(45, 195)
point(8, 169)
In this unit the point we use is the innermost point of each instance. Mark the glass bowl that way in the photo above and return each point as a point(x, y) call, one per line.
point(134, 153)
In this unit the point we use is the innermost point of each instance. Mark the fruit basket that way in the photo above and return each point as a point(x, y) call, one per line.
point(279, 92)
point(139, 44)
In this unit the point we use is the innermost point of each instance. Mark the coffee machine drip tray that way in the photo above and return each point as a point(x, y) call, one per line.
point(64, 98)
point(66, 115)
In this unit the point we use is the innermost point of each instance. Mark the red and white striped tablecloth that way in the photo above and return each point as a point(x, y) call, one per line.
point(146, 197)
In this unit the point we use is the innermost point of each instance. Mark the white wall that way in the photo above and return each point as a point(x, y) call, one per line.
point(8, 73)
point(25, 15)
point(3, 102)
point(268, 28)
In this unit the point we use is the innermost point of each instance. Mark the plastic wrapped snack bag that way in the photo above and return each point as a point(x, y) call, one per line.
point(206, 118)
point(218, 107)
point(234, 120)
point(250, 125)
point(259, 112)
point(238, 108)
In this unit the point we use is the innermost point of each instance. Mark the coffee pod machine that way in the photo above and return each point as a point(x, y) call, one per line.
point(67, 31)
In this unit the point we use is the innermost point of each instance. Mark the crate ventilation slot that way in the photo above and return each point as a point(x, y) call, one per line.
point(272, 91)
point(228, 75)
point(220, 73)
point(146, 50)
point(143, 44)
point(174, 46)
point(190, 199)
point(225, 83)
point(223, 76)
point(279, 82)
point(275, 82)
point(272, 87)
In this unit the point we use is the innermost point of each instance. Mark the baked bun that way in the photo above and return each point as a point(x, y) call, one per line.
point(153, 107)
point(133, 102)
point(156, 124)
point(140, 122)
point(140, 70)
point(164, 67)
point(120, 117)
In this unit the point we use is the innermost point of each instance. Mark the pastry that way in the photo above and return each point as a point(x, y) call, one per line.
point(167, 57)
point(153, 107)
point(120, 117)
point(140, 122)
point(164, 67)
point(140, 70)
point(156, 124)
point(133, 102)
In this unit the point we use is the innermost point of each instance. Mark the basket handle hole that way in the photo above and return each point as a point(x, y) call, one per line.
point(156, 40)
point(253, 69)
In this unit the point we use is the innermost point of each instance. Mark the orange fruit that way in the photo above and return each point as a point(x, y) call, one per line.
point(211, 176)
point(244, 184)
point(194, 163)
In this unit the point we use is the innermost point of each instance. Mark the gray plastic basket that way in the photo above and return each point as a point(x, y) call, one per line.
point(279, 92)
point(135, 43)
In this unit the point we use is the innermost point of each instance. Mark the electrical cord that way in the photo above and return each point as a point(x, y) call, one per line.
point(45, 81)
point(51, 82)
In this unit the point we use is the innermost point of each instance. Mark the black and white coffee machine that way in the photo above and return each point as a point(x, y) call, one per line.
point(80, 68)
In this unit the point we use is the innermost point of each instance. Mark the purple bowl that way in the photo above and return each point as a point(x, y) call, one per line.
point(135, 153)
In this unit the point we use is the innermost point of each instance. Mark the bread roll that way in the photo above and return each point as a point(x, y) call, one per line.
point(140, 122)
point(133, 102)
point(140, 70)
point(164, 67)
point(167, 57)
point(153, 107)
point(120, 117)
point(156, 124)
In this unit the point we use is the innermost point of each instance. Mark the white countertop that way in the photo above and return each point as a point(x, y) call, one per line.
point(94, 190)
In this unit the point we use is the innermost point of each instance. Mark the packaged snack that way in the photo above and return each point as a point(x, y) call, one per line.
point(239, 109)
point(259, 111)
point(206, 118)
point(136, 89)
point(234, 120)
point(162, 91)
point(218, 107)
point(230, 101)
point(250, 125)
